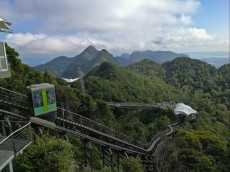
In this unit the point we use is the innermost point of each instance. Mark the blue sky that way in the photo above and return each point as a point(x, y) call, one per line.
point(43, 31)
point(214, 16)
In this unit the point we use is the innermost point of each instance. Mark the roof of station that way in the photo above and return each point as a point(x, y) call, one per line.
point(183, 109)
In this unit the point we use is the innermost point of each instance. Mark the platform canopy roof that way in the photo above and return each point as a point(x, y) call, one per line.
point(70, 80)
point(3, 25)
point(182, 109)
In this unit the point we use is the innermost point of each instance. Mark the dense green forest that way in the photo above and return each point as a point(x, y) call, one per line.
point(200, 144)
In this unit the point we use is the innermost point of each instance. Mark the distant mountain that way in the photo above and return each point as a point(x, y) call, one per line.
point(77, 66)
point(56, 66)
point(157, 56)
point(81, 64)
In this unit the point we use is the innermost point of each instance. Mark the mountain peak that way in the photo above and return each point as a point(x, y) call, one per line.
point(89, 53)
point(90, 48)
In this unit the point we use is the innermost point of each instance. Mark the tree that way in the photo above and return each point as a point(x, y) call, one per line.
point(131, 165)
point(46, 155)
point(12, 56)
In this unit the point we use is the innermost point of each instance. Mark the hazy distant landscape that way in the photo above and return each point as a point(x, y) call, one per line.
point(214, 58)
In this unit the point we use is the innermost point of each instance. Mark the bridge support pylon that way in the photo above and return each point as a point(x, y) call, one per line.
point(87, 153)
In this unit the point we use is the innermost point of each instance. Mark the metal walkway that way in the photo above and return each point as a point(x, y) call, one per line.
point(14, 143)
point(163, 105)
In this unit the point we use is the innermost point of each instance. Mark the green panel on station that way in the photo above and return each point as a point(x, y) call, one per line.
point(44, 99)
point(52, 107)
point(38, 111)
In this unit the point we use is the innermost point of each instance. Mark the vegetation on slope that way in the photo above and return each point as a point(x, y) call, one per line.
point(112, 83)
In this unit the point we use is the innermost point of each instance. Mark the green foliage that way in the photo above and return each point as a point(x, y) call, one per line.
point(112, 83)
point(104, 113)
point(47, 154)
point(185, 71)
point(12, 57)
point(148, 68)
point(201, 149)
point(131, 164)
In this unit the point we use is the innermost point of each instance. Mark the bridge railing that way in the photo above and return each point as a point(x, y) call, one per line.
point(68, 115)
point(16, 142)
point(13, 97)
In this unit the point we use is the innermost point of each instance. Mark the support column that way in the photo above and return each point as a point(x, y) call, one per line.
point(88, 153)
point(107, 157)
point(9, 167)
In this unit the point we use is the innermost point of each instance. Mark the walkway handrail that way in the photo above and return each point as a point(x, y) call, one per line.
point(13, 92)
point(163, 105)
point(13, 114)
point(16, 142)
point(13, 97)
point(13, 133)
point(100, 126)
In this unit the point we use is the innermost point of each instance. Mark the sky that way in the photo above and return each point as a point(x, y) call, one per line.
point(47, 29)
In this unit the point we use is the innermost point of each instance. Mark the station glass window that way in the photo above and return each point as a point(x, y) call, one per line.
point(37, 99)
point(50, 92)
point(3, 65)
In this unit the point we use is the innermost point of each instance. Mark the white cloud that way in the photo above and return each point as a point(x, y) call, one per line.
point(68, 26)
point(35, 44)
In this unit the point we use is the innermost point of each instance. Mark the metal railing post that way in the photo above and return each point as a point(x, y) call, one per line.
point(11, 131)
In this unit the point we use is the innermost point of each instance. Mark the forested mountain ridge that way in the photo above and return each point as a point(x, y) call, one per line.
point(113, 83)
point(81, 64)
point(76, 66)
point(186, 71)
point(147, 67)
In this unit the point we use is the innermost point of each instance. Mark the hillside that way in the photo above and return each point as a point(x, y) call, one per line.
point(112, 83)
point(56, 66)
point(148, 68)
point(76, 66)
point(185, 71)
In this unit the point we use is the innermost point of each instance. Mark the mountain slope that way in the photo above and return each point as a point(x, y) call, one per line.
point(112, 83)
point(77, 66)
point(56, 66)
point(148, 68)
point(184, 71)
